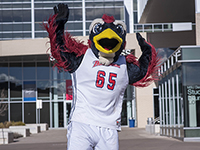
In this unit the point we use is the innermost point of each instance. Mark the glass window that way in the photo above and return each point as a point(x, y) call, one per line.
point(17, 15)
point(134, 5)
point(90, 14)
point(89, 4)
point(77, 14)
point(16, 112)
point(78, 4)
point(26, 15)
point(38, 27)
point(16, 90)
point(7, 15)
point(26, 35)
point(58, 89)
point(4, 114)
point(157, 27)
point(28, 70)
point(4, 81)
point(57, 114)
point(88, 25)
point(124, 113)
point(43, 90)
point(191, 73)
point(3, 91)
point(135, 17)
point(40, 34)
point(74, 26)
point(56, 75)
point(7, 35)
point(119, 14)
point(118, 3)
point(17, 27)
point(26, 27)
point(26, 5)
point(29, 112)
point(3, 71)
point(17, 35)
point(42, 14)
point(43, 70)
point(7, 27)
point(6, 6)
point(45, 113)
point(76, 33)
point(15, 71)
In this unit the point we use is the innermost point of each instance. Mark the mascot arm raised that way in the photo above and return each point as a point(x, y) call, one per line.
point(68, 52)
point(142, 72)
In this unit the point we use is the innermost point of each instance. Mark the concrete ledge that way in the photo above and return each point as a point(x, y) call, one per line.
point(23, 130)
point(6, 137)
point(43, 126)
point(34, 128)
point(153, 128)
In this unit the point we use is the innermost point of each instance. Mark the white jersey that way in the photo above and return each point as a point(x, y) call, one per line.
point(98, 92)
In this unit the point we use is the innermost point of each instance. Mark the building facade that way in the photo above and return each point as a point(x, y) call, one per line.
point(179, 94)
point(22, 19)
point(27, 75)
point(174, 31)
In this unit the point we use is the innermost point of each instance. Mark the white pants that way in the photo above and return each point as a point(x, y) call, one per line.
point(88, 137)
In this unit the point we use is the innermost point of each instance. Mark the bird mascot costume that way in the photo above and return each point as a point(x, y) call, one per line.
point(100, 75)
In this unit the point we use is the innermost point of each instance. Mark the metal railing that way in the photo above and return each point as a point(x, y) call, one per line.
point(156, 27)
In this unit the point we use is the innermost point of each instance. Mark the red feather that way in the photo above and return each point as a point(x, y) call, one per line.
point(152, 72)
point(108, 19)
point(72, 45)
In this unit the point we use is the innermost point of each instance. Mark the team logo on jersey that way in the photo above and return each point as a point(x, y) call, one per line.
point(97, 63)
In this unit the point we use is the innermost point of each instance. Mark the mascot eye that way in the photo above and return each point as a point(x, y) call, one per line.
point(97, 28)
point(120, 29)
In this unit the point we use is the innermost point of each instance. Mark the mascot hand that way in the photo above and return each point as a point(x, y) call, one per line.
point(143, 44)
point(62, 12)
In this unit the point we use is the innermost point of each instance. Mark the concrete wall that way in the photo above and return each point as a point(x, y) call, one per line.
point(28, 46)
point(23, 47)
point(172, 39)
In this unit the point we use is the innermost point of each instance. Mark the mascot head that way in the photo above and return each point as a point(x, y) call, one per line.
point(107, 38)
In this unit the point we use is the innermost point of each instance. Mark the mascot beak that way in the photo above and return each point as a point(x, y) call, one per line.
point(107, 41)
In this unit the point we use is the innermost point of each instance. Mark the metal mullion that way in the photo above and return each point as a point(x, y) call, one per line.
point(163, 104)
point(160, 105)
point(84, 17)
point(8, 93)
point(170, 109)
point(22, 91)
point(166, 103)
point(32, 19)
point(173, 96)
point(178, 105)
point(37, 117)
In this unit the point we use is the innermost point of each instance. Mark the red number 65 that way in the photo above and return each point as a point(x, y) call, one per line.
point(100, 80)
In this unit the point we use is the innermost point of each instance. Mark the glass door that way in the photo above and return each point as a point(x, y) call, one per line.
point(67, 109)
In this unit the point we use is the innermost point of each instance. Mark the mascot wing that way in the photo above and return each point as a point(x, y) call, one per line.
point(67, 51)
point(144, 71)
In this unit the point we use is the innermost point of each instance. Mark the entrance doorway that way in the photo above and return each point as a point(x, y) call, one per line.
point(67, 109)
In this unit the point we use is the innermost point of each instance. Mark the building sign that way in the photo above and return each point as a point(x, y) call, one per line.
point(29, 91)
point(193, 93)
point(69, 91)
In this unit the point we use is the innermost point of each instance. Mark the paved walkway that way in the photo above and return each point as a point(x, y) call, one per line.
point(129, 139)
